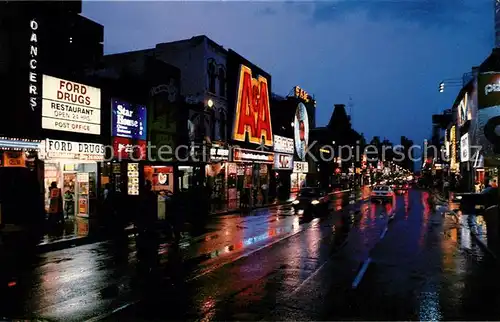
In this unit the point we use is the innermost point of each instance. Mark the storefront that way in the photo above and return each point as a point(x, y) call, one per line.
point(74, 167)
point(283, 166)
point(252, 171)
point(217, 173)
point(20, 180)
point(299, 175)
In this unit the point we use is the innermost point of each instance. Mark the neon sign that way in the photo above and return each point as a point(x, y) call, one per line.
point(33, 85)
point(253, 114)
point(302, 94)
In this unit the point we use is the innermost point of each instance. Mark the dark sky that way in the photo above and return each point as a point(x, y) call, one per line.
point(389, 56)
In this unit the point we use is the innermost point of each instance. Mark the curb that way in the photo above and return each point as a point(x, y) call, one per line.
point(480, 242)
point(75, 241)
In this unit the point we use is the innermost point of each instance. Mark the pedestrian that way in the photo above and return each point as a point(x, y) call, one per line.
point(56, 204)
point(69, 203)
point(255, 196)
point(176, 218)
point(265, 193)
point(146, 218)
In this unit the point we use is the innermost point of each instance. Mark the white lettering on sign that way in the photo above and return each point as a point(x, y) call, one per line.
point(123, 115)
point(283, 161)
point(491, 88)
point(242, 155)
point(33, 62)
point(283, 144)
point(69, 106)
point(300, 167)
point(219, 154)
point(464, 148)
point(74, 150)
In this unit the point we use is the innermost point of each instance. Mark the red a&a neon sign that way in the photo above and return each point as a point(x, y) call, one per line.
point(253, 115)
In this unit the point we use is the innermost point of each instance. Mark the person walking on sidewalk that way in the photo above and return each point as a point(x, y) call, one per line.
point(146, 218)
point(265, 193)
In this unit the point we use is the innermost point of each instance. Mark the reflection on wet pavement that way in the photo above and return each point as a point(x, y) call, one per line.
point(422, 265)
point(74, 284)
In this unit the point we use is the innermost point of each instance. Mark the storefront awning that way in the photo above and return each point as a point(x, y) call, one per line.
point(19, 144)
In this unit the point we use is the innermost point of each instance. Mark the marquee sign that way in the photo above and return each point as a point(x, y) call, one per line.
point(244, 155)
point(253, 113)
point(219, 154)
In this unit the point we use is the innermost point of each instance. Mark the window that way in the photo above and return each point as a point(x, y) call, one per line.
point(222, 82)
point(211, 76)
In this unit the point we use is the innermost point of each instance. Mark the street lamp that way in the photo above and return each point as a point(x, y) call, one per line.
point(210, 103)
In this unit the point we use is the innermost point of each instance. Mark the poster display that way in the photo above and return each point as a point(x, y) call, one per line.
point(488, 113)
point(133, 179)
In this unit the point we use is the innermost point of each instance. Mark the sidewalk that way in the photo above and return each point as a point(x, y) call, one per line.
point(485, 229)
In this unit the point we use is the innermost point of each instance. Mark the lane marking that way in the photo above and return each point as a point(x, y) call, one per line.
point(215, 267)
point(109, 314)
point(361, 273)
point(383, 233)
point(309, 278)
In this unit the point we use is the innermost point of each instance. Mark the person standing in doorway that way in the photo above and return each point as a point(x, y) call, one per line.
point(265, 193)
point(56, 204)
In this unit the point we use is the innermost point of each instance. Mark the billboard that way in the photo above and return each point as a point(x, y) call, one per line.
point(301, 130)
point(253, 112)
point(283, 161)
point(128, 120)
point(464, 148)
point(283, 144)
point(69, 106)
point(488, 119)
point(464, 109)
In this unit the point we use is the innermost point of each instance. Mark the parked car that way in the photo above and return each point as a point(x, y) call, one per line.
point(382, 193)
point(311, 201)
point(476, 203)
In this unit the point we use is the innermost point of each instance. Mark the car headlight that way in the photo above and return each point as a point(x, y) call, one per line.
point(315, 202)
point(295, 202)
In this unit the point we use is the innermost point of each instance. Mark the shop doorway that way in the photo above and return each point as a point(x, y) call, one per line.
point(77, 181)
point(69, 200)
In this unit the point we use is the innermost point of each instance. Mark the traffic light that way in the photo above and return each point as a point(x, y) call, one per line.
point(441, 87)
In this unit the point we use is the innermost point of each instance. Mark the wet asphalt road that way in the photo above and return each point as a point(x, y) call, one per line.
point(397, 261)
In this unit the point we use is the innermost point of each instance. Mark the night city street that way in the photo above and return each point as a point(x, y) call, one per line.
point(250, 160)
point(355, 263)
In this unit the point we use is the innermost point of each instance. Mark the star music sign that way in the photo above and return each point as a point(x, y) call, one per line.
point(253, 114)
